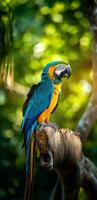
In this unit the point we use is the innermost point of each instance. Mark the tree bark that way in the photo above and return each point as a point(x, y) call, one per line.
point(61, 150)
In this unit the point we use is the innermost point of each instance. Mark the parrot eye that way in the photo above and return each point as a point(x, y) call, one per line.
point(60, 67)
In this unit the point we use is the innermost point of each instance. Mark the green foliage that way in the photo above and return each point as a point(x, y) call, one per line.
point(43, 31)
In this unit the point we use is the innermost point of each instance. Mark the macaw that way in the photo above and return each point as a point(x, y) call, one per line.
point(43, 98)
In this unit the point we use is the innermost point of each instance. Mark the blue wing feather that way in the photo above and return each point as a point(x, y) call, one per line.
point(37, 104)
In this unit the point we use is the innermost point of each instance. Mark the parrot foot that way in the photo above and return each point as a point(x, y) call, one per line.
point(53, 125)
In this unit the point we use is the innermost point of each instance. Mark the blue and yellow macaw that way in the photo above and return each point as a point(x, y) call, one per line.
point(42, 100)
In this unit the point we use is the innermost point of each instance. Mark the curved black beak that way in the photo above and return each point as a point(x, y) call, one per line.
point(62, 71)
point(65, 73)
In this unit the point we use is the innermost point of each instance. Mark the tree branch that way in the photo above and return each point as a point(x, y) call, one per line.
point(89, 177)
point(60, 149)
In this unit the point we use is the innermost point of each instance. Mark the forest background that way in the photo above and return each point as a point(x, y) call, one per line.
point(33, 33)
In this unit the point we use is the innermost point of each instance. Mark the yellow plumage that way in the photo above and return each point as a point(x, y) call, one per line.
point(44, 116)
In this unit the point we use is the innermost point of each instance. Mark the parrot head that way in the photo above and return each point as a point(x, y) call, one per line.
point(56, 71)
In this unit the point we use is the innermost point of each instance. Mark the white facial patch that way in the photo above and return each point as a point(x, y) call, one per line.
point(60, 68)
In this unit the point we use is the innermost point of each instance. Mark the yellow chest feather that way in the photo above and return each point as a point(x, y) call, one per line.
point(46, 114)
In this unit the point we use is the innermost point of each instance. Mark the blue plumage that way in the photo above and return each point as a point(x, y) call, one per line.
point(37, 104)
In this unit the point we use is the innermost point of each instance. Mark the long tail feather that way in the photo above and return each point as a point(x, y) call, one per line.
point(29, 186)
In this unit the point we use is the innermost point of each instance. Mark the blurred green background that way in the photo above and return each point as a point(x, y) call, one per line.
point(42, 31)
